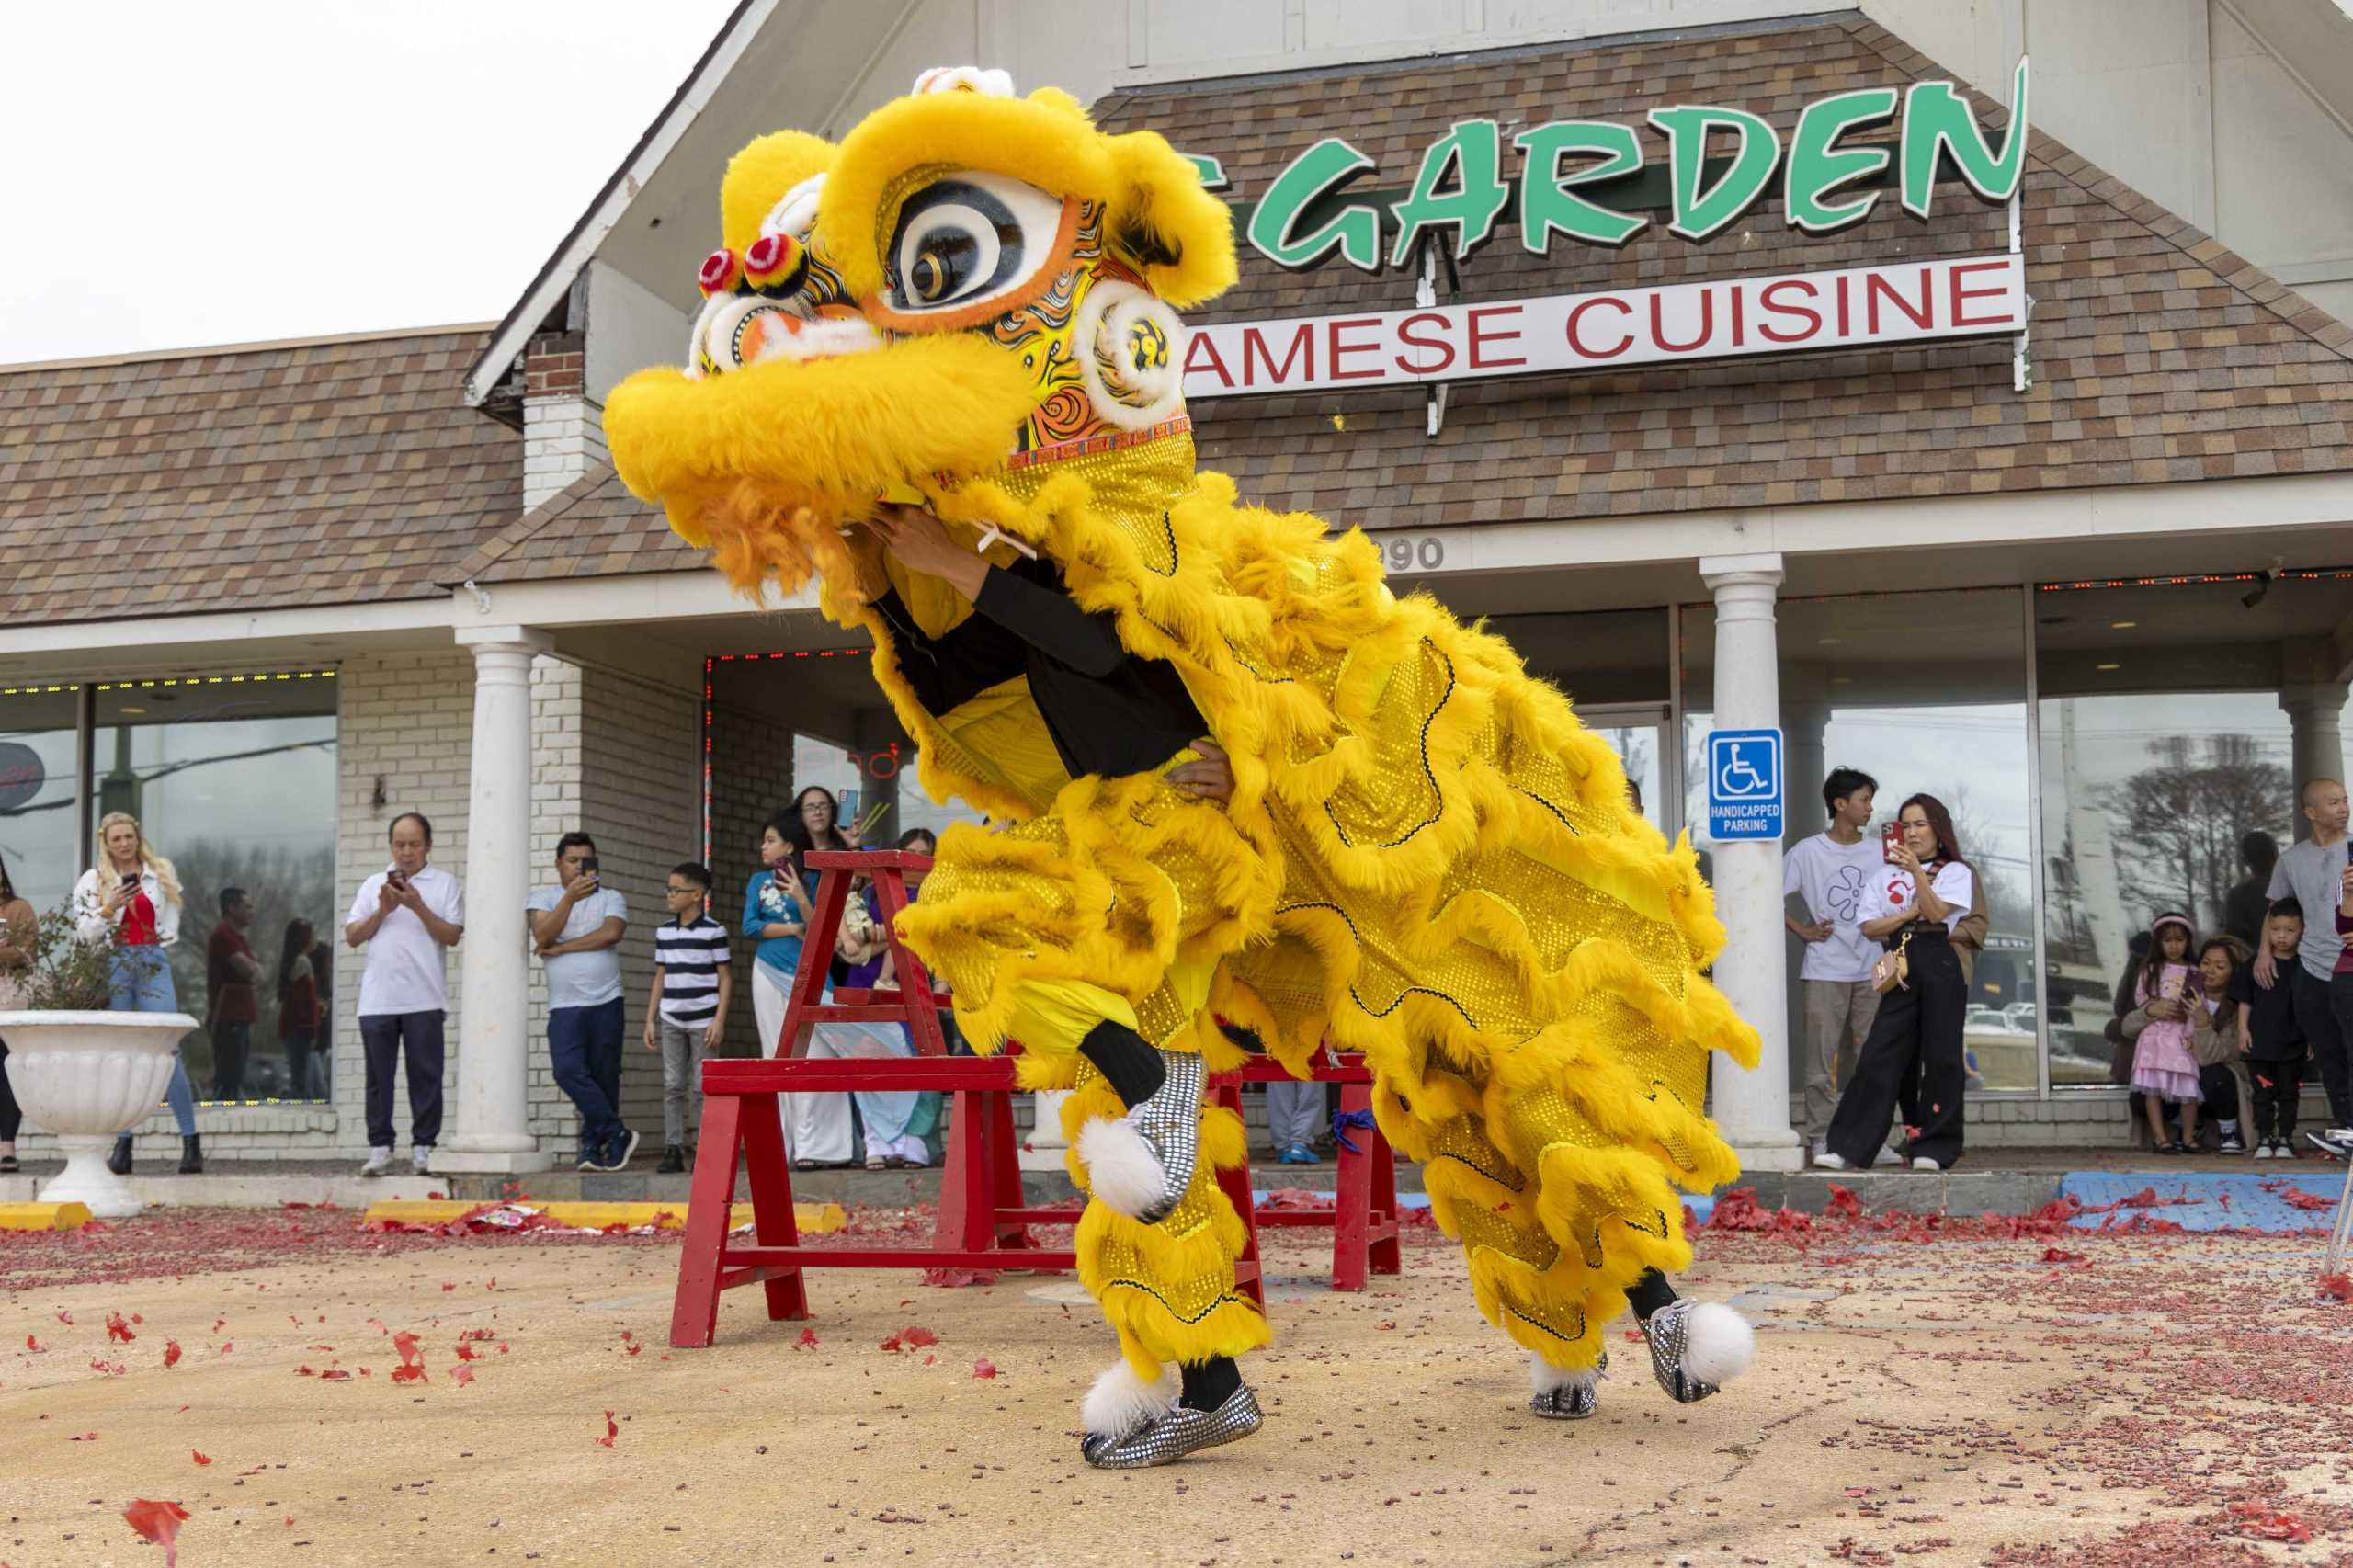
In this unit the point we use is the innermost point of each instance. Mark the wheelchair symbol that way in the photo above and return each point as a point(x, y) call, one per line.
point(1738, 779)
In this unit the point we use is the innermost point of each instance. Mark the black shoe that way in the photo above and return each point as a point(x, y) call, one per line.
point(674, 1161)
point(191, 1154)
point(120, 1160)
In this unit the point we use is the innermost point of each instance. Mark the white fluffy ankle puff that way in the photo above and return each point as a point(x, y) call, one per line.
point(1121, 1169)
point(1544, 1378)
point(1718, 1344)
point(1120, 1401)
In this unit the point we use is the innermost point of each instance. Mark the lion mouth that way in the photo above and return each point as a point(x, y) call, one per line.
point(736, 332)
point(828, 424)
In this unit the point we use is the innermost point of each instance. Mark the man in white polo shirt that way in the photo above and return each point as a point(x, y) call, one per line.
point(1828, 873)
point(407, 915)
point(2313, 873)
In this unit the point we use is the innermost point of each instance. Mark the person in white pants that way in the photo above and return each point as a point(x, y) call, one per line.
point(776, 911)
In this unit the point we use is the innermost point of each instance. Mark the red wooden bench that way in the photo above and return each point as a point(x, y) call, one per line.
point(983, 1222)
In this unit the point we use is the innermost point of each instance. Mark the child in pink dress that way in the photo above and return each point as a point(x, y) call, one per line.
point(2163, 1067)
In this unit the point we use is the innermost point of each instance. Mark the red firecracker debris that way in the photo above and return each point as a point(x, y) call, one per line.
point(119, 1328)
point(200, 1457)
point(1844, 1203)
point(170, 1353)
point(159, 1522)
point(2058, 1254)
point(2337, 1285)
point(405, 1343)
point(35, 1346)
point(808, 1340)
point(612, 1430)
point(408, 1372)
point(65, 1317)
point(984, 1368)
point(462, 1374)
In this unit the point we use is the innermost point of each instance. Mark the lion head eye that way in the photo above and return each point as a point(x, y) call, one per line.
point(968, 239)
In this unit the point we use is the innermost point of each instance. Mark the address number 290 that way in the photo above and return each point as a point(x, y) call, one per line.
point(1411, 553)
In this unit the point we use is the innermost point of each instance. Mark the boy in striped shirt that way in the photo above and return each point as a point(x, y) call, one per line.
point(688, 1012)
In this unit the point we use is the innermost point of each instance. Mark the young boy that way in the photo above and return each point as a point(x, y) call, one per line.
point(2275, 1046)
point(1829, 872)
point(686, 1014)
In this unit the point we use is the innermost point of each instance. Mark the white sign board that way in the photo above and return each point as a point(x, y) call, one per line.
point(1979, 296)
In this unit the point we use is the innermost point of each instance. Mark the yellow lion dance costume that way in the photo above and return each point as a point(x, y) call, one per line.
point(969, 305)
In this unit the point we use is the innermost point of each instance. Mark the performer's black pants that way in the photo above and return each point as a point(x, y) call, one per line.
point(1915, 1044)
point(2277, 1085)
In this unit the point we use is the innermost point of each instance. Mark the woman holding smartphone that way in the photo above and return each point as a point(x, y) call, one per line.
point(134, 895)
point(777, 911)
point(1912, 907)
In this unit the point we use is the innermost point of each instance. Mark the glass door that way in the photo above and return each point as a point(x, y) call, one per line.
point(1642, 735)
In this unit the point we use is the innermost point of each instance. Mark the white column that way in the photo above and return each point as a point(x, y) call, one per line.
point(1752, 1109)
point(2315, 710)
point(491, 1113)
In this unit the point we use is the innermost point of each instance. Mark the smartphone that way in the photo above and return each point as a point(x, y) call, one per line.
point(131, 879)
point(396, 879)
point(1891, 839)
point(588, 865)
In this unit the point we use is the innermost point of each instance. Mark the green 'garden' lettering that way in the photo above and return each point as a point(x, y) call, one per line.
point(1356, 230)
point(1545, 202)
point(1700, 213)
point(1475, 149)
point(1936, 118)
point(1817, 167)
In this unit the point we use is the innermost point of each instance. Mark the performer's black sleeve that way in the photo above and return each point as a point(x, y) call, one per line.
point(1030, 600)
point(950, 670)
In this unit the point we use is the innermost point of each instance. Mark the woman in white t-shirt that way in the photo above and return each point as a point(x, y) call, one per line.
point(1915, 1041)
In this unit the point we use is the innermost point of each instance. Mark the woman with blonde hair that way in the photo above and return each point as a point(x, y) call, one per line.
point(134, 895)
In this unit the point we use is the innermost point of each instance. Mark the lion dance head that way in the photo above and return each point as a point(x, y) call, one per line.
point(970, 284)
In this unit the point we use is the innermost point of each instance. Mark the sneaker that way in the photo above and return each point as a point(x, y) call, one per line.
point(2267, 1150)
point(1567, 1396)
point(674, 1161)
point(379, 1162)
point(2233, 1144)
point(1297, 1154)
point(1168, 1436)
point(2334, 1143)
point(1826, 1161)
point(624, 1144)
point(420, 1159)
point(1921, 1163)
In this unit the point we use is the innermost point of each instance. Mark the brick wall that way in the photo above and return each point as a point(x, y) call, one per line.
point(751, 780)
point(563, 431)
point(617, 758)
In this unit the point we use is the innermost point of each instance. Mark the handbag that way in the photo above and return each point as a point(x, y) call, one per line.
point(1893, 969)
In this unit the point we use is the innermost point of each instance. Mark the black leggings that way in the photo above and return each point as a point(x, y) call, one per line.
point(1913, 1057)
point(2277, 1085)
point(11, 1116)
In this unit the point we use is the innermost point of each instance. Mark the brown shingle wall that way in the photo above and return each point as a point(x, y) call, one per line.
point(250, 479)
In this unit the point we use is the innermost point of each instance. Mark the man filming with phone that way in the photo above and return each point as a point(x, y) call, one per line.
point(576, 927)
point(407, 915)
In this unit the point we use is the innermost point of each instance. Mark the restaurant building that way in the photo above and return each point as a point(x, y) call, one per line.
point(1741, 373)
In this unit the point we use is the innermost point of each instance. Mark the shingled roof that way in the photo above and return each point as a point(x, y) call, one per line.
point(2158, 354)
point(262, 476)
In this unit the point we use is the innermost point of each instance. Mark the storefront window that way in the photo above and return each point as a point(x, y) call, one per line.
point(1926, 693)
point(233, 779)
point(2178, 721)
point(38, 829)
point(1614, 666)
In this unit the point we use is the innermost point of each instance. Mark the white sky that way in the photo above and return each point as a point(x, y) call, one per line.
point(182, 174)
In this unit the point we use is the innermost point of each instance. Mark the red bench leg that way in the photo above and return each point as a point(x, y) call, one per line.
point(1351, 1222)
point(1248, 1270)
point(1005, 1175)
point(1384, 1254)
point(773, 1225)
point(694, 1313)
point(967, 1186)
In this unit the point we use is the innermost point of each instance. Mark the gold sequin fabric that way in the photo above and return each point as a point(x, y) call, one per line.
point(1425, 858)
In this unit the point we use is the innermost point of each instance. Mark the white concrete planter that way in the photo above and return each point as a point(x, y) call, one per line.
point(87, 1078)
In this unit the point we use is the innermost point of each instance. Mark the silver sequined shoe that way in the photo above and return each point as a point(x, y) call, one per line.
point(1167, 1437)
point(1142, 1164)
point(1565, 1396)
point(1696, 1346)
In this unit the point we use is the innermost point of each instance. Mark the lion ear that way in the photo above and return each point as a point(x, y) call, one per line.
point(1179, 236)
point(759, 176)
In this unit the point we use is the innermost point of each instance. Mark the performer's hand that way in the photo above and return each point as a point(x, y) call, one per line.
point(1208, 779)
point(919, 542)
point(870, 580)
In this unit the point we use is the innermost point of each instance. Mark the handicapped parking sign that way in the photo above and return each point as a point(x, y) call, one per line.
point(1743, 785)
